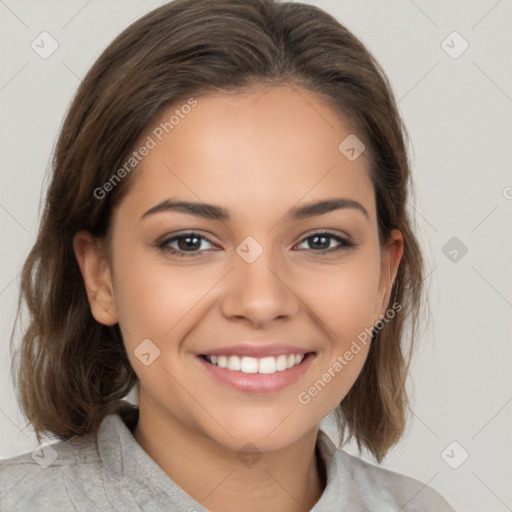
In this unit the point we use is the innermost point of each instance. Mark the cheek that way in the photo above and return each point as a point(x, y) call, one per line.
point(150, 303)
point(156, 300)
point(343, 297)
point(345, 307)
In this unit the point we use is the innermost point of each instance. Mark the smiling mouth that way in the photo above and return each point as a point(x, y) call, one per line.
point(266, 365)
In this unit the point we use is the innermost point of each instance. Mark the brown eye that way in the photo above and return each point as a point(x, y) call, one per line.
point(190, 243)
point(323, 242)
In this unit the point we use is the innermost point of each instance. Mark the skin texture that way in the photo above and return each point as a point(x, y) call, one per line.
point(257, 154)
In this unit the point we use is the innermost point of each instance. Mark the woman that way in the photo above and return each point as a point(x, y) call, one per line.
point(226, 231)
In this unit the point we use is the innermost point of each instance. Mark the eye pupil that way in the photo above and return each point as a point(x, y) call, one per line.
point(183, 242)
point(316, 238)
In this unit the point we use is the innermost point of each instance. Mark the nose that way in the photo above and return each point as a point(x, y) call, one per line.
point(259, 292)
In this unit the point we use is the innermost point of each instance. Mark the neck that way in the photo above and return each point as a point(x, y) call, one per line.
point(291, 479)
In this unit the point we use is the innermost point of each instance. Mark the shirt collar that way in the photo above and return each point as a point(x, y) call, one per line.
point(133, 478)
point(130, 470)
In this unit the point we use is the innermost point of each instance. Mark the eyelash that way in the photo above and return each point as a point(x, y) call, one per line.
point(345, 244)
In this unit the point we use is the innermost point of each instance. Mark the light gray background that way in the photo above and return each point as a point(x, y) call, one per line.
point(458, 113)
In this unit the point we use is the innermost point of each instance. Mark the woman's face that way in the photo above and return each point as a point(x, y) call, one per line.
point(256, 278)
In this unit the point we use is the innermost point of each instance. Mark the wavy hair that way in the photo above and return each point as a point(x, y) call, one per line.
point(70, 371)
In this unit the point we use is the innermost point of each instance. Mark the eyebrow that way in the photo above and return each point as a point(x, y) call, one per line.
point(213, 212)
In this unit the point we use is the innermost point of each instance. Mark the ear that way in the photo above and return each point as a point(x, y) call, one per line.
point(391, 254)
point(95, 269)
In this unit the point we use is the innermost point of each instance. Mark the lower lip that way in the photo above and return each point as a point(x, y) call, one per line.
point(258, 382)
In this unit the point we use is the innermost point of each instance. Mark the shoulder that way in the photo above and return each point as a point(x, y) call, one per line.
point(356, 485)
point(380, 485)
point(52, 473)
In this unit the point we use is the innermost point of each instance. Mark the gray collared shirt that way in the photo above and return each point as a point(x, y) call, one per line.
point(111, 472)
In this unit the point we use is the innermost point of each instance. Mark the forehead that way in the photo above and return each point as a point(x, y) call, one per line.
point(264, 147)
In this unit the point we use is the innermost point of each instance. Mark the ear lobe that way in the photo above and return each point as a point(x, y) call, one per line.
point(96, 274)
point(391, 256)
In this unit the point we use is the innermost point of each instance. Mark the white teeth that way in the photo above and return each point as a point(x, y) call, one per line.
point(267, 365)
point(234, 363)
point(247, 364)
point(281, 363)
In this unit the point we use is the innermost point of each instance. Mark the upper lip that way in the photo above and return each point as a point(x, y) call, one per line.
point(258, 350)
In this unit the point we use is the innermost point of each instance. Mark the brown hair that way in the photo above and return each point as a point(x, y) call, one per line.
point(71, 371)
